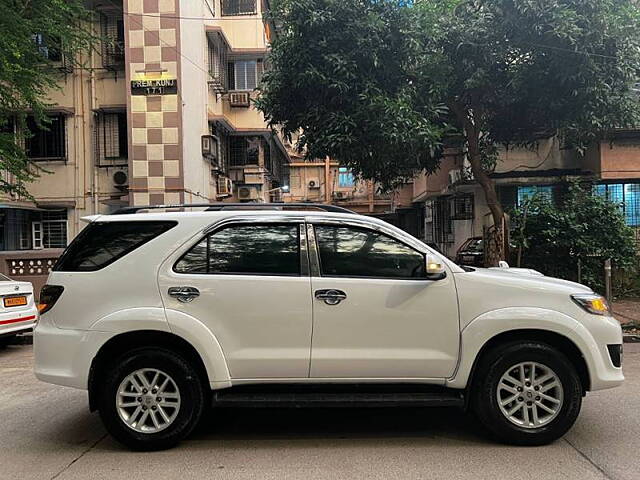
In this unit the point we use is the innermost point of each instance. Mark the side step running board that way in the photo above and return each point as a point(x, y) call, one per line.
point(327, 400)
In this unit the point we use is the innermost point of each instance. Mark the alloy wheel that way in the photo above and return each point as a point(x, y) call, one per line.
point(530, 394)
point(148, 400)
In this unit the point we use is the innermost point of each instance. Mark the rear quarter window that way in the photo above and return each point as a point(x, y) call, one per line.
point(102, 243)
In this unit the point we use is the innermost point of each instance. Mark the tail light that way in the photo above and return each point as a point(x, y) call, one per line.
point(49, 295)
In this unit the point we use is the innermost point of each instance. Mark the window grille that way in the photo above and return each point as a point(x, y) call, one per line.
point(526, 193)
point(111, 139)
point(442, 224)
point(47, 142)
point(462, 208)
point(244, 151)
point(238, 7)
point(217, 64)
point(54, 229)
point(626, 195)
point(113, 44)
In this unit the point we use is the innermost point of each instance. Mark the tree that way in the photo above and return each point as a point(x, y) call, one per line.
point(381, 84)
point(581, 228)
point(35, 35)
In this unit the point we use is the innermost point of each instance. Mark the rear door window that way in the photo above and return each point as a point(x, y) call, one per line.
point(102, 243)
point(246, 250)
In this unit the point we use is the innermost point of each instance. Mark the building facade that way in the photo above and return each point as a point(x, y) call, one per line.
point(453, 208)
point(161, 114)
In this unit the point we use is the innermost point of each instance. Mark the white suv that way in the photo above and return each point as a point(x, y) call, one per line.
point(158, 315)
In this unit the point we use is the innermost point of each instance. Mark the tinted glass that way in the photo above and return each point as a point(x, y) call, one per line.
point(246, 249)
point(354, 252)
point(100, 244)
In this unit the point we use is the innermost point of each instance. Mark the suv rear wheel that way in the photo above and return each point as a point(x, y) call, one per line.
point(526, 393)
point(151, 399)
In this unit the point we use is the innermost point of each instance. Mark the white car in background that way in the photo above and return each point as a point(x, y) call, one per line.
point(18, 311)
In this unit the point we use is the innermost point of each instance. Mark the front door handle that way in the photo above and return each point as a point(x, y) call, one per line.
point(184, 294)
point(331, 296)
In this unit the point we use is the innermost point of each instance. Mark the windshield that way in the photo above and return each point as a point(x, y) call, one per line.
point(475, 245)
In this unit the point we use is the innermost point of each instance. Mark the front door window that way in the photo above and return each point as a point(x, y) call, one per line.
point(359, 252)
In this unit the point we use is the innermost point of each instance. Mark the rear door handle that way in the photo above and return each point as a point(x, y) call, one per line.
point(331, 296)
point(184, 294)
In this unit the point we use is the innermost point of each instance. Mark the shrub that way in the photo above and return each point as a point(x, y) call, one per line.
point(579, 228)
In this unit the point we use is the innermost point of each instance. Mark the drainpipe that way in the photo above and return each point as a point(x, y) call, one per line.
point(94, 163)
point(327, 180)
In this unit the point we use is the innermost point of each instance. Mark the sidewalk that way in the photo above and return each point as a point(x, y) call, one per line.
point(627, 310)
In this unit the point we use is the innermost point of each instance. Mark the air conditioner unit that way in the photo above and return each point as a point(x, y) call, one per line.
point(239, 99)
point(210, 147)
point(313, 184)
point(120, 179)
point(253, 176)
point(225, 187)
point(247, 193)
point(455, 176)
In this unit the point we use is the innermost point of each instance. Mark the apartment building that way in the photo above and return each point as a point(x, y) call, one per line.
point(453, 207)
point(161, 114)
point(326, 181)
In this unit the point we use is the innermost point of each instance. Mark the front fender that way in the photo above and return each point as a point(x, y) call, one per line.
point(486, 326)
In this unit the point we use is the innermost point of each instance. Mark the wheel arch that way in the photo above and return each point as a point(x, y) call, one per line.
point(127, 341)
point(549, 337)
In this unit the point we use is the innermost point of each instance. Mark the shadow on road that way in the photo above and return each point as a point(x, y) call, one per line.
point(331, 423)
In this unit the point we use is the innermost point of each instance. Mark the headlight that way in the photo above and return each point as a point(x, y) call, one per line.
point(592, 303)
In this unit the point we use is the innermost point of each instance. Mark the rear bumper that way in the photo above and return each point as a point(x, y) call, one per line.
point(12, 323)
point(63, 356)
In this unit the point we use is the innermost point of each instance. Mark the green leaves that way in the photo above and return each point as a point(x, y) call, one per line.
point(581, 226)
point(35, 35)
point(367, 79)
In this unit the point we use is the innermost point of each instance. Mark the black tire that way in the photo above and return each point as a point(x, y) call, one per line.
point(187, 380)
point(484, 396)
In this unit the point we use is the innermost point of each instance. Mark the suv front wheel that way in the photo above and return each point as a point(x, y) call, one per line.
point(526, 393)
point(151, 399)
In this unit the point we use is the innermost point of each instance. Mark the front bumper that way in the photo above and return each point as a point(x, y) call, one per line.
point(64, 356)
point(597, 333)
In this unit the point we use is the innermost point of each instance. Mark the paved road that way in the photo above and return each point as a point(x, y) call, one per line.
point(46, 432)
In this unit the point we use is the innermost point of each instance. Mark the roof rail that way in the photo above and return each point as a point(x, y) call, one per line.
point(237, 206)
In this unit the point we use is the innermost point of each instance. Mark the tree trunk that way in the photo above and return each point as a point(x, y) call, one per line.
point(472, 133)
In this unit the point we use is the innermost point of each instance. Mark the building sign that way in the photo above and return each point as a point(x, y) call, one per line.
point(158, 86)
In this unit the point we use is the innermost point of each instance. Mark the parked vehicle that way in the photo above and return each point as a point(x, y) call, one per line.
point(160, 314)
point(18, 312)
point(471, 252)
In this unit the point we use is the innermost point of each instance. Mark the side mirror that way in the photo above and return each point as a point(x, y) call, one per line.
point(434, 268)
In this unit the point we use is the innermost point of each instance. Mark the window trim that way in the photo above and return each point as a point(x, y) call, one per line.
point(303, 255)
point(316, 262)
